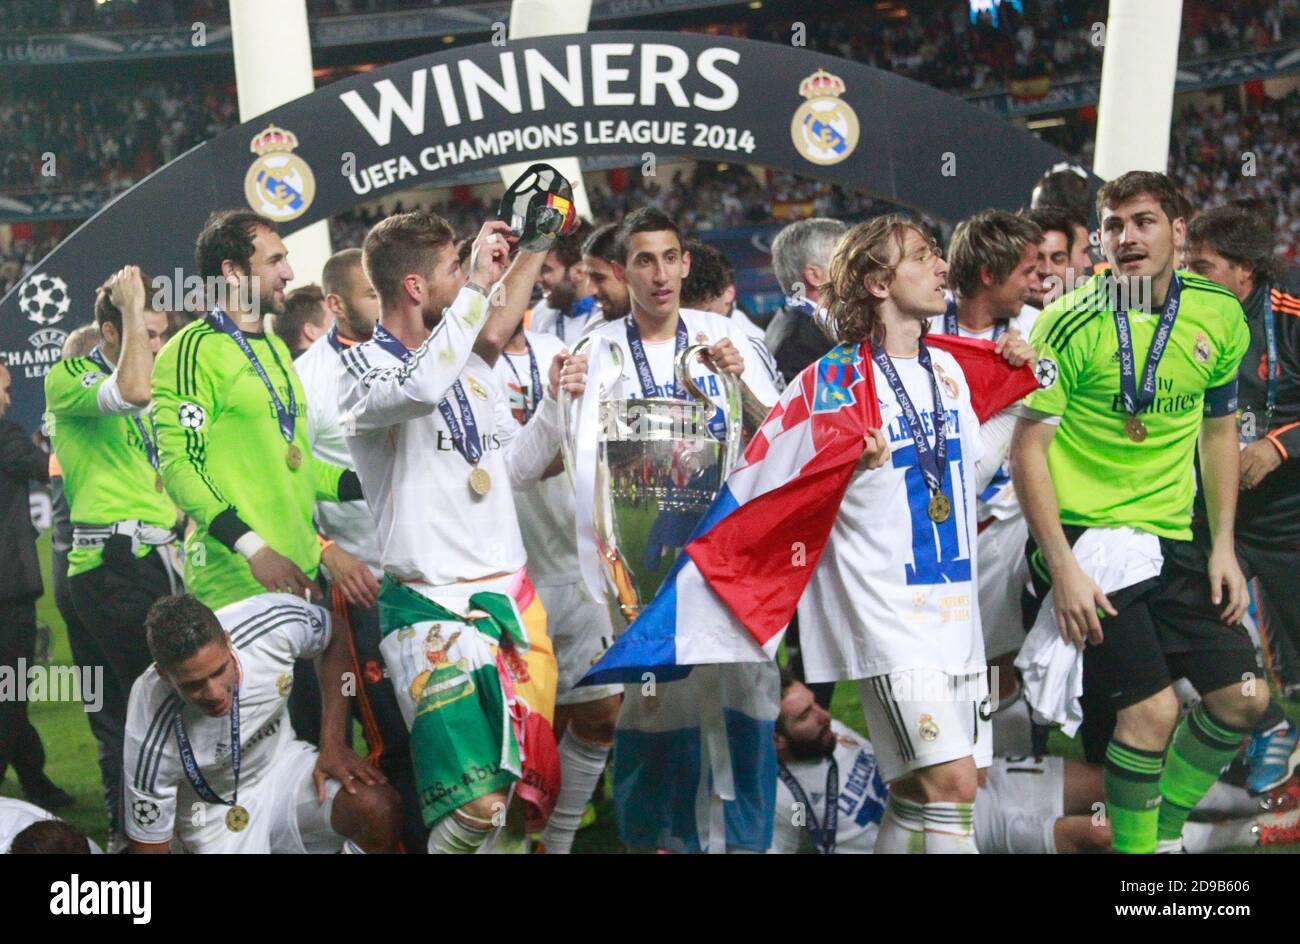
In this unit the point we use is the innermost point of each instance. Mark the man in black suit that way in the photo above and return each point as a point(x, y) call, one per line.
point(20, 586)
point(801, 258)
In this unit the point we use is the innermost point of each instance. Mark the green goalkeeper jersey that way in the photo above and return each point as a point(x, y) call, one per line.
point(224, 459)
point(107, 474)
point(1102, 477)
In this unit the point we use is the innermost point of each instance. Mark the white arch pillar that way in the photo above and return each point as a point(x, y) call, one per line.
point(529, 18)
point(1138, 71)
point(272, 67)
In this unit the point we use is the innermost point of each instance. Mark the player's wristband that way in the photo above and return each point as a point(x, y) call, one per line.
point(249, 544)
point(475, 287)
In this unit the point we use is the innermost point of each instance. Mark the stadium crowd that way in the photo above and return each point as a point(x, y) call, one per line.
point(105, 136)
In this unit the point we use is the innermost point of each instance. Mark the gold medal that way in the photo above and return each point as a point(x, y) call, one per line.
point(940, 508)
point(157, 482)
point(236, 818)
point(1136, 429)
point(293, 458)
point(480, 481)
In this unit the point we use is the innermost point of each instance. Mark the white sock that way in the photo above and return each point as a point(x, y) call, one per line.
point(1013, 728)
point(950, 829)
point(902, 828)
point(580, 765)
point(1226, 800)
point(451, 836)
point(1211, 837)
point(351, 848)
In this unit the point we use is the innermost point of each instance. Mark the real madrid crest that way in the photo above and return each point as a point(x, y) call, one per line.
point(928, 729)
point(284, 684)
point(279, 184)
point(824, 128)
point(1202, 348)
point(949, 385)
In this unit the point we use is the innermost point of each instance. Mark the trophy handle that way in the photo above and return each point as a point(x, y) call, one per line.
point(569, 425)
point(731, 397)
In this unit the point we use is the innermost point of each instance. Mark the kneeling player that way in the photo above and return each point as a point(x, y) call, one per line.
point(210, 755)
point(831, 799)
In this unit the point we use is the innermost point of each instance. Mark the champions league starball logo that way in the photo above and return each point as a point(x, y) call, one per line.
point(279, 184)
point(44, 299)
point(824, 128)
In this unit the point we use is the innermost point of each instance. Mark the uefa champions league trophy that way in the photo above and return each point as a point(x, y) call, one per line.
point(645, 471)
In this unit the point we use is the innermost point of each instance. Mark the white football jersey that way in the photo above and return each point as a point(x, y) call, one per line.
point(741, 320)
point(349, 524)
point(702, 327)
point(268, 632)
point(545, 507)
point(859, 804)
point(432, 526)
point(893, 589)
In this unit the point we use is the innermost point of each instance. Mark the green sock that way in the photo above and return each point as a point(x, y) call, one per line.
point(1203, 748)
point(1132, 785)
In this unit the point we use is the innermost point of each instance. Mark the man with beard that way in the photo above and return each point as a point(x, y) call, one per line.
point(464, 631)
point(604, 267)
point(830, 797)
point(349, 546)
point(235, 456)
point(566, 309)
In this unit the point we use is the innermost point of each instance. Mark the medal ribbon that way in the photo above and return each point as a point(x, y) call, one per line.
point(222, 322)
point(192, 772)
point(464, 434)
point(823, 830)
point(642, 363)
point(148, 436)
point(463, 437)
point(934, 462)
point(1138, 399)
point(535, 395)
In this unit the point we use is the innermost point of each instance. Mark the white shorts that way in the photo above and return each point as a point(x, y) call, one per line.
point(1018, 806)
point(1003, 573)
point(922, 717)
point(283, 815)
point(581, 631)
